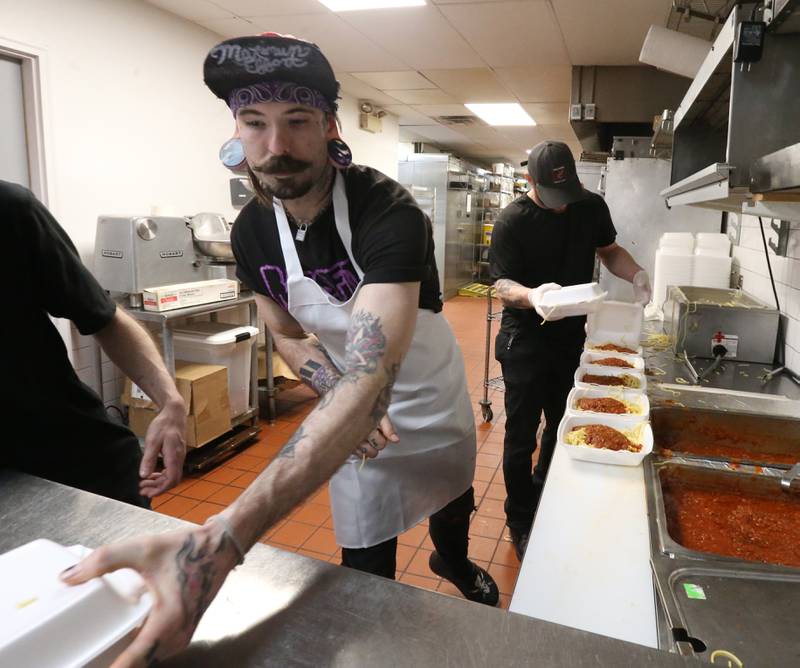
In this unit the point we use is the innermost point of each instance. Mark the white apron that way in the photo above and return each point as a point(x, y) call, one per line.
point(434, 462)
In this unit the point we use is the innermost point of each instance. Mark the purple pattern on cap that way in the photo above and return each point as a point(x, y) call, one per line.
point(277, 91)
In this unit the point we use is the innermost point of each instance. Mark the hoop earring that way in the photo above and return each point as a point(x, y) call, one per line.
point(339, 153)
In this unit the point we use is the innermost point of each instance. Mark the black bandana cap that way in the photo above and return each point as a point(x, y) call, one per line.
point(244, 62)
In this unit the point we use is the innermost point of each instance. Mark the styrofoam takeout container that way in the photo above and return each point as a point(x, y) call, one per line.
point(616, 322)
point(609, 371)
point(572, 300)
point(600, 455)
point(638, 398)
point(591, 356)
point(48, 624)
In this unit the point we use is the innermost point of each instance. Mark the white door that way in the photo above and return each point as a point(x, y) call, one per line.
point(14, 155)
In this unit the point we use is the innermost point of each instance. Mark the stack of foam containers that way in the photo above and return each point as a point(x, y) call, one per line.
point(712, 261)
point(674, 264)
point(619, 323)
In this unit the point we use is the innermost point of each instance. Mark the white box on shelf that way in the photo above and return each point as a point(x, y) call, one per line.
point(603, 455)
point(181, 295)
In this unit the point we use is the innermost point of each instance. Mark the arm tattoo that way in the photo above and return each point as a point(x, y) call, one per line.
point(365, 345)
point(504, 288)
point(196, 573)
point(287, 452)
point(385, 396)
point(318, 377)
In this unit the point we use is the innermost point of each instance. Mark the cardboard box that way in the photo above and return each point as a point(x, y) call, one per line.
point(204, 388)
point(181, 295)
point(280, 369)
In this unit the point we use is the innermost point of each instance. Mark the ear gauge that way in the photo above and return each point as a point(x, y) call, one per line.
point(339, 153)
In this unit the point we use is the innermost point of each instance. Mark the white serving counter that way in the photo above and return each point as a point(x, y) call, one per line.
point(588, 560)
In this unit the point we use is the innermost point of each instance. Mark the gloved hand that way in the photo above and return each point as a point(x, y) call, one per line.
point(535, 297)
point(642, 292)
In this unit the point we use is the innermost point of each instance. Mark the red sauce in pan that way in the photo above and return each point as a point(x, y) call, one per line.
point(602, 405)
point(734, 524)
point(718, 441)
point(616, 348)
point(613, 361)
point(602, 436)
point(602, 380)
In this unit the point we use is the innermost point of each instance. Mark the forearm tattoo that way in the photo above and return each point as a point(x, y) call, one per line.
point(504, 288)
point(196, 574)
point(287, 452)
point(385, 396)
point(318, 377)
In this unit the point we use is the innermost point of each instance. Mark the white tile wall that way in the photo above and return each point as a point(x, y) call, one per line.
point(751, 261)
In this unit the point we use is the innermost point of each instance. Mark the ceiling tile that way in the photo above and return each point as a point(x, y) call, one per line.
point(403, 80)
point(346, 48)
point(408, 116)
point(250, 8)
point(231, 27)
point(194, 10)
point(362, 91)
point(424, 96)
point(443, 110)
point(557, 132)
point(521, 136)
point(547, 84)
point(418, 35)
point(477, 84)
point(437, 133)
point(623, 24)
point(510, 34)
point(548, 112)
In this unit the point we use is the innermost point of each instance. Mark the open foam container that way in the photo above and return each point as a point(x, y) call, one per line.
point(601, 455)
point(48, 624)
point(609, 371)
point(572, 300)
point(615, 322)
point(639, 399)
point(592, 356)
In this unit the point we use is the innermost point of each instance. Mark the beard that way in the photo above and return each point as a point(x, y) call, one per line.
point(296, 178)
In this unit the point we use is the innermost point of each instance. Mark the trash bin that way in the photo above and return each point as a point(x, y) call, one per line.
point(224, 344)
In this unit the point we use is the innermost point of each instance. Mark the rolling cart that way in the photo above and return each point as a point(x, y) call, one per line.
point(489, 383)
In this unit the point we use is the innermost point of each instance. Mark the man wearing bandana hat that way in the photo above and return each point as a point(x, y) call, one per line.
point(341, 259)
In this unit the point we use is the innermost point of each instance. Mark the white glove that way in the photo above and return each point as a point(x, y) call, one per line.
point(535, 297)
point(642, 292)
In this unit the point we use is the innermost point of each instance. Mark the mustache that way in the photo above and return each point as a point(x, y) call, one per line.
point(282, 164)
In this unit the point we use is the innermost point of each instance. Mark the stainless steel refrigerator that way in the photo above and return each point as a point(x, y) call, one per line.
point(447, 186)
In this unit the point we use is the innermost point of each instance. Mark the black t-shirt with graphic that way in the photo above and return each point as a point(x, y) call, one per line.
point(392, 243)
point(532, 245)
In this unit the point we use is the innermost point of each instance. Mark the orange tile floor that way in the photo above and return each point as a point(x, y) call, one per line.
point(309, 529)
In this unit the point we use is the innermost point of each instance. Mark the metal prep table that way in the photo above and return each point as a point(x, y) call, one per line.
point(165, 321)
point(283, 609)
point(588, 559)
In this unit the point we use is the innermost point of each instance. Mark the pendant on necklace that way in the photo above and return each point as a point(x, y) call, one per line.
point(301, 231)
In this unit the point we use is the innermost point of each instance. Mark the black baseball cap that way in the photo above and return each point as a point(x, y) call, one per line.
point(552, 170)
point(244, 61)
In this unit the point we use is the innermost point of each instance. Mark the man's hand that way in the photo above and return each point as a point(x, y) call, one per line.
point(166, 434)
point(535, 298)
point(377, 440)
point(183, 570)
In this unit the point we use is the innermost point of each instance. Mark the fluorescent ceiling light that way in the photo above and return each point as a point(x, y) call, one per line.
point(352, 5)
point(501, 114)
point(528, 151)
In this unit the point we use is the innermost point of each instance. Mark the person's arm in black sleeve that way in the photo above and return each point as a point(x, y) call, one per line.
point(66, 289)
point(507, 266)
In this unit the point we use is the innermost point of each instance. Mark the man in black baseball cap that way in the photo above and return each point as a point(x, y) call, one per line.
point(545, 239)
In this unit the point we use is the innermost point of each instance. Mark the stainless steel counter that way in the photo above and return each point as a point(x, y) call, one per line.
point(283, 609)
